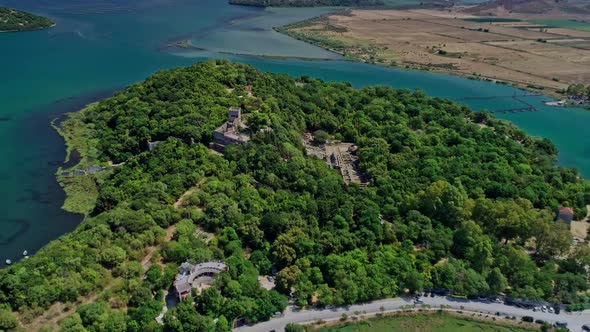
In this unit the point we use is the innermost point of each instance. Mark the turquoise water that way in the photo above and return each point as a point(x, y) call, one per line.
point(99, 47)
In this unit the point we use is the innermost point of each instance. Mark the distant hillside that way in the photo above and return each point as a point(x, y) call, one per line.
point(535, 6)
point(307, 3)
point(16, 20)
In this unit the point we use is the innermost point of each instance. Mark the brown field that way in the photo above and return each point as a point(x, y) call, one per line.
point(553, 50)
point(513, 52)
point(568, 32)
point(518, 25)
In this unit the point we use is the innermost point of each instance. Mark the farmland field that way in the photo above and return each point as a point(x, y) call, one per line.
point(509, 50)
point(401, 3)
point(491, 20)
point(432, 322)
point(566, 24)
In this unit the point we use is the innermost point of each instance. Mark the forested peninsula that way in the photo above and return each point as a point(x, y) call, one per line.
point(12, 20)
point(455, 199)
point(308, 3)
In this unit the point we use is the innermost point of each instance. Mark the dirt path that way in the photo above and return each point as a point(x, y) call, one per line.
point(146, 262)
point(57, 312)
point(182, 198)
point(200, 232)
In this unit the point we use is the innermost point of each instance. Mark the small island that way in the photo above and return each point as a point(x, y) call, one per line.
point(12, 20)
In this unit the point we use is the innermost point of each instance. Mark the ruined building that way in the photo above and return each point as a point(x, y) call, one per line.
point(234, 131)
point(339, 156)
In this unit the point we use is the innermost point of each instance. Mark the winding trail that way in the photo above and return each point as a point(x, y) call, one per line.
point(146, 262)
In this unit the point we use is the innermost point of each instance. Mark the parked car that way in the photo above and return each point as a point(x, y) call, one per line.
point(418, 302)
point(560, 324)
point(540, 321)
point(528, 319)
point(586, 327)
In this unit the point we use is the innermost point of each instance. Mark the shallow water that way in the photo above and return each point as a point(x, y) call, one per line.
point(98, 47)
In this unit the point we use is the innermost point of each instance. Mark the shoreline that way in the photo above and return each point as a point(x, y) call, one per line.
point(29, 30)
point(187, 45)
point(278, 57)
point(79, 185)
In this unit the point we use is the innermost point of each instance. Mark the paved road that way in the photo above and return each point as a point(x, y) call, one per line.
point(292, 315)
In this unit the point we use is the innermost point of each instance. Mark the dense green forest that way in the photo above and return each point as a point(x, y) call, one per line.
point(456, 199)
point(16, 20)
point(308, 3)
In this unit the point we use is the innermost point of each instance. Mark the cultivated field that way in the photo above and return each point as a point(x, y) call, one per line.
point(427, 322)
point(522, 52)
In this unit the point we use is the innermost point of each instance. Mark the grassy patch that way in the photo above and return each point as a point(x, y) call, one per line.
point(320, 32)
point(438, 322)
point(81, 191)
point(78, 136)
point(491, 20)
point(449, 54)
point(566, 24)
point(401, 3)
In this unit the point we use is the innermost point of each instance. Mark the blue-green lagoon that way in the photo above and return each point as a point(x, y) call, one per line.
point(99, 47)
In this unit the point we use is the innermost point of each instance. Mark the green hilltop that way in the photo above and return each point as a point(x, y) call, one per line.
point(454, 199)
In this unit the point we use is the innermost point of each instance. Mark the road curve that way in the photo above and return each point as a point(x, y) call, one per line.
point(293, 315)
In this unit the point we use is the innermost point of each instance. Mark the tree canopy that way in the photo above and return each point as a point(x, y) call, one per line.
point(456, 199)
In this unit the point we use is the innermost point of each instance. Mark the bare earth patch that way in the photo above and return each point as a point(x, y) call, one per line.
point(579, 229)
point(520, 52)
point(266, 283)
